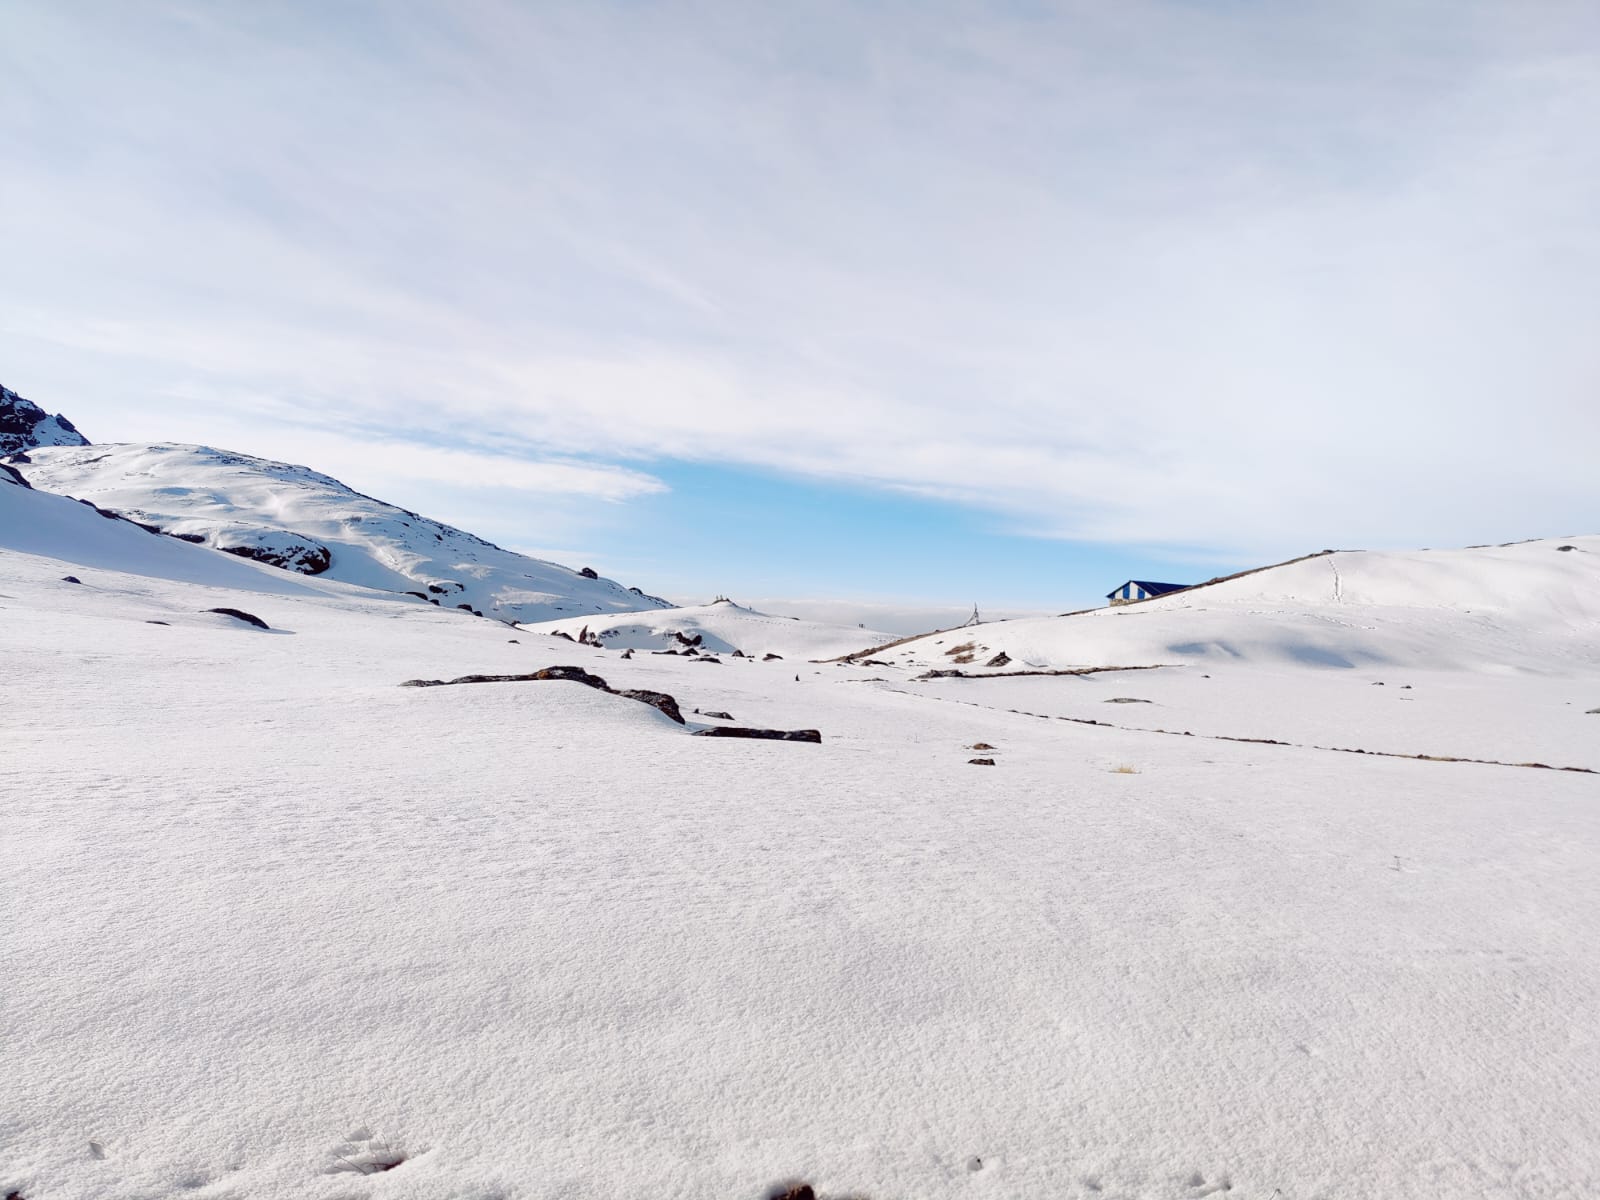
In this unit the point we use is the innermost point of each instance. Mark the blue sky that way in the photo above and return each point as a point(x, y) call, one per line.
point(904, 302)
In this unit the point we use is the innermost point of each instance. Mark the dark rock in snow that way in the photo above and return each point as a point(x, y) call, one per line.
point(791, 1191)
point(981, 762)
point(158, 622)
point(589, 573)
point(999, 660)
point(70, 579)
point(657, 700)
point(771, 657)
point(9, 474)
point(721, 716)
point(628, 653)
point(418, 595)
point(1126, 700)
point(980, 746)
point(771, 735)
point(240, 615)
point(711, 659)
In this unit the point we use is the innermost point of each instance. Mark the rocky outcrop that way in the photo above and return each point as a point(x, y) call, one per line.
point(769, 735)
point(659, 701)
point(241, 615)
point(23, 424)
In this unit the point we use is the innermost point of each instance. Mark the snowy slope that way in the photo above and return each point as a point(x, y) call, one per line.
point(722, 628)
point(23, 425)
point(293, 517)
point(273, 921)
point(1528, 607)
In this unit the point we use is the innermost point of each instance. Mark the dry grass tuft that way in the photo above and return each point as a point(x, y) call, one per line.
point(1125, 769)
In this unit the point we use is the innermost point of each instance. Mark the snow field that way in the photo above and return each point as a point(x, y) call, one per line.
point(277, 917)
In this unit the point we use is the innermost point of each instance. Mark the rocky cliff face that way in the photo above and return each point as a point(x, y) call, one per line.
point(24, 425)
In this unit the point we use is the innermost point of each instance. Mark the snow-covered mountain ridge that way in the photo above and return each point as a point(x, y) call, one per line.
point(24, 425)
point(1527, 606)
point(304, 521)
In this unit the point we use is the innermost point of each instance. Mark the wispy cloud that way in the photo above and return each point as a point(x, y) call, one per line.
point(1244, 277)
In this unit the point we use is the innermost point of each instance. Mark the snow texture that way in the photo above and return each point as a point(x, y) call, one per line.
point(303, 521)
point(278, 927)
point(24, 425)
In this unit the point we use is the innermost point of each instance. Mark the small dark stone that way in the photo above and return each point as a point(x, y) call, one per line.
point(240, 615)
point(791, 1191)
point(158, 622)
point(628, 653)
point(70, 579)
point(709, 659)
point(1566, 547)
point(513, 642)
point(981, 762)
point(468, 607)
point(1126, 700)
point(771, 657)
point(771, 735)
point(589, 573)
point(980, 746)
point(721, 716)
point(999, 660)
point(418, 595)
point(558, 633)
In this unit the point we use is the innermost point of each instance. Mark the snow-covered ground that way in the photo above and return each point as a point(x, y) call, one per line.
point(722, 628)
point(273, 921)
point(308, 522)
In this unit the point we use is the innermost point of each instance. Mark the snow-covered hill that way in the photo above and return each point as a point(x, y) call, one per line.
point(722, 627)
point(1527, 607)
point(23, 425)
point(295, 518)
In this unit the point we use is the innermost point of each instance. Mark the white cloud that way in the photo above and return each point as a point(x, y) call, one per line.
point(1246, 277)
